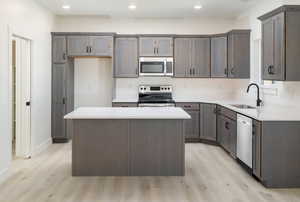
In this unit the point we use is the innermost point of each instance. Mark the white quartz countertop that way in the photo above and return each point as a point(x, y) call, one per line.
point(128, 113)
point(271, 113)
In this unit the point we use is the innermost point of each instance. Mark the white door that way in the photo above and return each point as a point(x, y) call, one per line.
point(23, 97)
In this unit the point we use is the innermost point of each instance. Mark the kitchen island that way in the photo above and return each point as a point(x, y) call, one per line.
point(128, 141)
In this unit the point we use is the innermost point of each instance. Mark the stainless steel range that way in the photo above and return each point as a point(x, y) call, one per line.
point(156, 96)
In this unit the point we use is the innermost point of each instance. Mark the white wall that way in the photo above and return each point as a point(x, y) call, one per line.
point(142, 26)
point(93, 82)
point(282, 93)
point(27, 19)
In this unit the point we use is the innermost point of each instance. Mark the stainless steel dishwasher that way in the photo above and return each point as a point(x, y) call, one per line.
point(244, 139)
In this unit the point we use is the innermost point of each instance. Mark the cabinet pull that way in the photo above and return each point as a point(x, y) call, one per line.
point(227, 125)
point(232, 71)
point(154, 50)
point(190, 71)
point(270, 69)
point(87, 49)
point(64, 56)
point(64, 101)
point(225, 71)
point(187, 106)
point(91, 49)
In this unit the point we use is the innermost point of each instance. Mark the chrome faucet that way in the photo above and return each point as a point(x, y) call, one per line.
point(258, 101)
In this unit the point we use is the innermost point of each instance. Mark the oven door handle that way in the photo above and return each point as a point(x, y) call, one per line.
point(156, 105)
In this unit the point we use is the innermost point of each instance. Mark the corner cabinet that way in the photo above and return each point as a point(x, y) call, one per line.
point(126, 57)
point(208, 122)
point(192, 57)
point(90, 46)
point(280, 44)
point(239, 54)
point(192, 126)
point(156, 46)
point(219, 57)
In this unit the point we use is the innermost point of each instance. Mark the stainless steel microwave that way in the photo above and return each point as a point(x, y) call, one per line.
point(158, 66)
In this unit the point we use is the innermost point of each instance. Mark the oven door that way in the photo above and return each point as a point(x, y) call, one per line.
point(152, 67)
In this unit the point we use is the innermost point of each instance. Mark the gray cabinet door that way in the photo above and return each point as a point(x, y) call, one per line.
point(126, 57)
point(192, 125)
point(256, 148)
point(208, 122)
point(239, 55)
point(279, 47)
point(233, 137)
point(267, 49)
point(59, 49)
point(219, 57)
point(164, 47)
point(101, 45)
point(223, 135)
point(147, 46)
point(78, 46)
point(58, 101)
point(182, 59)
point(200, 56)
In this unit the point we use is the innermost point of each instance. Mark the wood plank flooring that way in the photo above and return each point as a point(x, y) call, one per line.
point(211, 176)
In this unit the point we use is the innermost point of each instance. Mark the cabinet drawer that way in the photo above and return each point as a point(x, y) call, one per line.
point(227, 112)
point(189, 106)
point(124, 104)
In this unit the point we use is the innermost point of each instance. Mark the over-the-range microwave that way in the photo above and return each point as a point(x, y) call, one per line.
point(156, 66)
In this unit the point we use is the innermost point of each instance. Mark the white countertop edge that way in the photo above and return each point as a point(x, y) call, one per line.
point(266, 114)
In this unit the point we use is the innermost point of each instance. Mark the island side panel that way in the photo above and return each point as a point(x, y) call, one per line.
point(157, 148)
point(280, 160)
point(100, 148)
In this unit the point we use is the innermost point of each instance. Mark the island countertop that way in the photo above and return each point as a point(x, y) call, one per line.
point(128, 113)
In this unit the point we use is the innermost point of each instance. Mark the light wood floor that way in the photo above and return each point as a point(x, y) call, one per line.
point(211, 176)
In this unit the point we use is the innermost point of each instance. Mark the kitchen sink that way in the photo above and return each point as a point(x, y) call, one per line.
point(242, 106)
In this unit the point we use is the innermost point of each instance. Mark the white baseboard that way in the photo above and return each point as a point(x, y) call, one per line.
point(4, 174)
point(43, 146)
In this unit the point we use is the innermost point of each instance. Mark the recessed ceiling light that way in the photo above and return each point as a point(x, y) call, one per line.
point(66, 7)
point(197, 7)
point(132, 7)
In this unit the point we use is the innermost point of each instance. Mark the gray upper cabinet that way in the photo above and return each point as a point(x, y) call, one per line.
point(90, 45)
point(182, 59)
point(126, 57)
point(101, 45)
point(200, 64)
point(208, 122)
point(78, 45)
point(280, 44)
point(219, 57)
point(59, 49)
point(192, 57)
point(239, 54)
point(156, 46)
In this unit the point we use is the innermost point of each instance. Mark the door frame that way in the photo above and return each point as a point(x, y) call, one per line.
point(12, 33)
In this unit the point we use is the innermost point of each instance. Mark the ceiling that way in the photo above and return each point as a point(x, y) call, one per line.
point(150, 8)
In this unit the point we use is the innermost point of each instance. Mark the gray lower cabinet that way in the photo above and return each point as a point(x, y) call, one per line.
point(227, 130)
point(192, 57)
point(124, 104)
point(59, 49)
point(156, 46)
point(208, 122)
point(219, 57)
point(280, 44)
point(90, 45)
point(256, 148)
point(192, 126)
point(239, 54)
point(126, 57)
